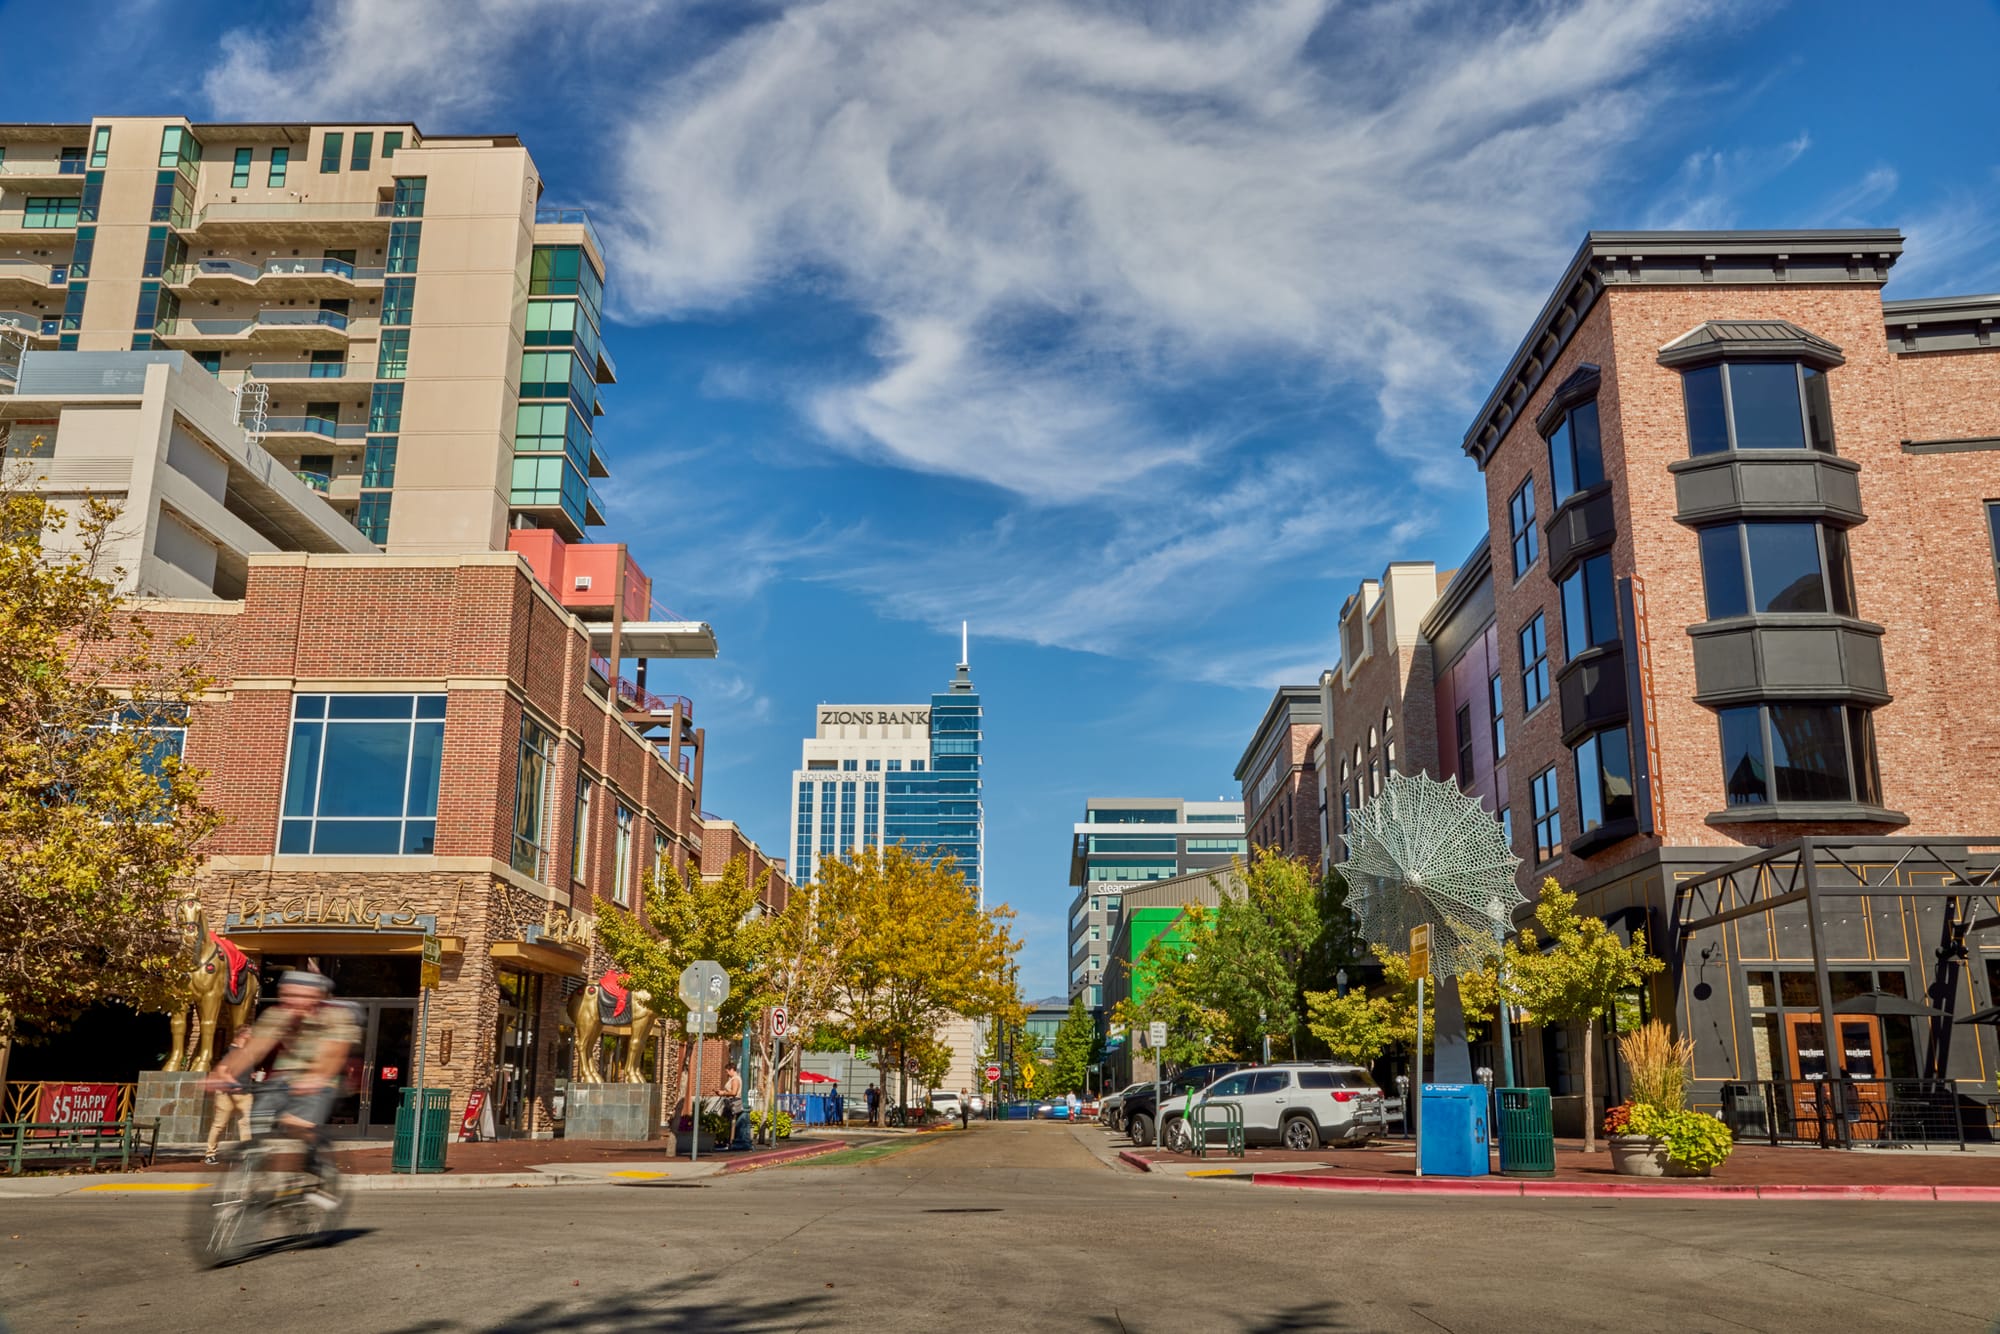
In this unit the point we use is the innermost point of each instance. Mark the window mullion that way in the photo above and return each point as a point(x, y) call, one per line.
point(1743, 554)
point(409, 763)
point(1728, 408)
point(319, 775)
point(1770, 754)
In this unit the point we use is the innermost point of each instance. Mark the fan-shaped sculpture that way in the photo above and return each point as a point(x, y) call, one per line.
point(1420, 852)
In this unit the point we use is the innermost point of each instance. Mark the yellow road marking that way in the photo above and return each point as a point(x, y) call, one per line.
point(641, 1176)
point(1214, 1172)
point(151, 1185)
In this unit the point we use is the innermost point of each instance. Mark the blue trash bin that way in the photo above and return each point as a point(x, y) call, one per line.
point(1452, 1133)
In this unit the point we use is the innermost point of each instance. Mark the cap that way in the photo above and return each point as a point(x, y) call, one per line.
point(298, 977)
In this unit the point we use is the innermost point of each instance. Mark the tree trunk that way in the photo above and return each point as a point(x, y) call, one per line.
point(1589, 1086)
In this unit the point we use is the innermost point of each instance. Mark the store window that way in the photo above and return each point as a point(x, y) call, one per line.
point(362, 775)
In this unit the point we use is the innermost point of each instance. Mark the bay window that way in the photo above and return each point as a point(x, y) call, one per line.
point(1777, 753)
point(1604, 793)
point(1590, 607)
point(1786, 565)
point(1757, 405)
point(1576, 456)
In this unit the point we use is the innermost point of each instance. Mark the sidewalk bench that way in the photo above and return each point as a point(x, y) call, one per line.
point(38, 1141)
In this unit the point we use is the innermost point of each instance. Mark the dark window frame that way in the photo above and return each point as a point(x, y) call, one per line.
point(1547, 819)
point(1521, 526)
point(363, 151)
point(1815, 403)
point(1566, 465)
point(1836, 569)
point(1534, 670)
point(1496, 698)
point(1596, 805)
point(1858, 750)
point(1463, 721)
point(1592, 634)
point(1993, 532)
point(330, 146)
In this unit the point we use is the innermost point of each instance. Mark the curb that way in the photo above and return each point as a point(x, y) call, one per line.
point(779, 1157)
point(470, 1181)
point(1597, 1190)
point(1133, 1159)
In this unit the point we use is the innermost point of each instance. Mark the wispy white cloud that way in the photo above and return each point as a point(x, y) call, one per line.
point(1710, 189)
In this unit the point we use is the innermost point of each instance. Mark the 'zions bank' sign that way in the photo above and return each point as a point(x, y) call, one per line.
point(875, 717)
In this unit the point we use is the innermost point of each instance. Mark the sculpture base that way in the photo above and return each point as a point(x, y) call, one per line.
point(612, 1111)
point(175, 1099)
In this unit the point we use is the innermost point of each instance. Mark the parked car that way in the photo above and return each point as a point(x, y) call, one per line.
point(1303, 1106)
point(1138, 1113)
point(977, 1104)
point(944, 1103)
point(1111, 1110)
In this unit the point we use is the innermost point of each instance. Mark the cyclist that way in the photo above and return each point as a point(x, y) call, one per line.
point(307, 1036)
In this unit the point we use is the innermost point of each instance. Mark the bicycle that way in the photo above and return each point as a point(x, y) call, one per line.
point(258, 1204)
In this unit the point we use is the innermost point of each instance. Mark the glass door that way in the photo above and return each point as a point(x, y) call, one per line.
point(387, 1067)
point(514, 1051)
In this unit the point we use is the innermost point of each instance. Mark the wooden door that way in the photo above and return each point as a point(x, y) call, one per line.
point(1861, 1056)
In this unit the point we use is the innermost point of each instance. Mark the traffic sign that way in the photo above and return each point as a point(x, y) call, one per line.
point(1420, 950)
point(433, 950)
point(992, 1074)
point(1156, 1034)
point(779, 1018)
point(704, 985)
point(430, 975)
point(700, 1021)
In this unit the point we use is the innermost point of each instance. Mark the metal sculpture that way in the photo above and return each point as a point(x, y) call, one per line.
point(221, 982)
point(1422, 852)
point(609, 1006)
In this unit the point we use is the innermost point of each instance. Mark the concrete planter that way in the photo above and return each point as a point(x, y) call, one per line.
point(684, 1143)
point(1644, 1156)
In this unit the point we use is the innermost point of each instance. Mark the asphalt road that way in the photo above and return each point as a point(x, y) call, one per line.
point(1013, 1227)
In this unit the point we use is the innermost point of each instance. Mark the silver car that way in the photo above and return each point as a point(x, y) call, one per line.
point(1302, 1105)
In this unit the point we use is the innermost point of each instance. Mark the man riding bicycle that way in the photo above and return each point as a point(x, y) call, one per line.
point(307, 1036)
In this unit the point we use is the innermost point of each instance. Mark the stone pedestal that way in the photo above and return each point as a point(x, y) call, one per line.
point(612, 1111)
point(175, 1100)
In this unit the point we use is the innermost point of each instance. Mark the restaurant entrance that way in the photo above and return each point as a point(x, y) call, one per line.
point(382, 990)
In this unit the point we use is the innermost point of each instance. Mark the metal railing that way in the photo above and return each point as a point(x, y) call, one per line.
point(318, 481)
point(281, 268)
point(1847, 1113)
point(646, 699)
point(324, 427)
point(570, 217)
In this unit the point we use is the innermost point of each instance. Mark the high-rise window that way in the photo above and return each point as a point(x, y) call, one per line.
point(1799, 753)
point(1576, 458)
point(329, 152)
point(281, 163)
point(100, 147)
point(1792, 565)
point(531, 799)
point(408, 201)
point(1534, 663)
point(392, 358)
point(398, 297)
point(364, 149)
point(1498, 698)
point(1521, 523)
point(1548, 816)
point(1603, 780)
point(49, 211)
point(405, 241)
point(362, 776)
point(239, 171)
point(391, 141)
point(621, 871)
point(826, 820)
point(1589, 606)
point(1757, 405)
point(579, 857)
point(371, 517)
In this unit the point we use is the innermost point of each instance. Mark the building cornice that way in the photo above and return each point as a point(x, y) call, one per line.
point(1475, 567)
point(1692, 259)
point(1290, 699)
point(1942, 323)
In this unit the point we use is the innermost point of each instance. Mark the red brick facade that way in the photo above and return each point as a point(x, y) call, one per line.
point(1280, 789)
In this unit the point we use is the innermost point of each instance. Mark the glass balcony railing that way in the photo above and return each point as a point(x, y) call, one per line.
point(41, 275)
point(250, 273)
point(19, 220)
point(42, 167)
point(298, 370)
point(318, 481)
point(571, 217)
point(288, 211)
point(264, 319)
point(324, 427)
point(34, 326)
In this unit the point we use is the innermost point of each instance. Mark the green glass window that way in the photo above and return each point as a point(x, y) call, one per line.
point(93, 190)
point(72, 316)
point(551, 428)
point(371, 517)
point(378, 467)
point(170, 145)
point(391, 141)
point(364, 150)
point(100, 146)
point(239, 174)
point(329, 152)
point(405, 239)
point(281, 162)
point(165, 251)
point(409, 200)
point(392, 361)
point(80, 257)
point(385, 410)
point(49, 211)
point(398, 295)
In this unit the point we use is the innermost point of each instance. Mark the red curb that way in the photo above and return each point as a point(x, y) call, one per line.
point(777, 1156)
point(1421, 1185)
point(1623, 1190)
point(1590, 1189)
point(1853, 1192)
point(1968, 1194)
point(1138, 1160)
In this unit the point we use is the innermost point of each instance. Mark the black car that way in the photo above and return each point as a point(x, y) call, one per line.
point(1140, 1116)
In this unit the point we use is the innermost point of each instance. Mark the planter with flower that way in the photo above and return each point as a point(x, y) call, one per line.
point(1654, 1134)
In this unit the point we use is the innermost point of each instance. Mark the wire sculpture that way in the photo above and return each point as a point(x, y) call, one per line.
point(1422, 852)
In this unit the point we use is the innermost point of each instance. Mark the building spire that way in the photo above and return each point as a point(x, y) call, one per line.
point(965, 643)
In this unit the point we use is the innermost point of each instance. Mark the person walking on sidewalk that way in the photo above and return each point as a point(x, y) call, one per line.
point(874, 1103)
point(836, 1107)
point(230, 1106)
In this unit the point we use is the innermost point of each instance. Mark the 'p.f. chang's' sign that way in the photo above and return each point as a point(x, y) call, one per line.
point(875, 717)
point(343, 910)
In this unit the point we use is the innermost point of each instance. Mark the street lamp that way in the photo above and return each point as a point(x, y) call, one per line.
point(1496, 912)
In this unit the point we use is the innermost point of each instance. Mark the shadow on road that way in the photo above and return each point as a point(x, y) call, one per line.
point(666, 1306)
point(1296, 1320)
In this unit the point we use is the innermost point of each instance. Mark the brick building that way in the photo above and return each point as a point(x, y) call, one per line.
point(1741, 590)
point(1280, 798)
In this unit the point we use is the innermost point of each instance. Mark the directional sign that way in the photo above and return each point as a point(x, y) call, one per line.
point(704, 985)
point(433, 950)
point(992, 1074)
point(780, 1017)
point(1156, 1033)
point(1420, 950)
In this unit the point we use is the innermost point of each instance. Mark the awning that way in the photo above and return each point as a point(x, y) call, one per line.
point(540, 958)
point(339, 942)
point(656, 639)
point(808, 1077)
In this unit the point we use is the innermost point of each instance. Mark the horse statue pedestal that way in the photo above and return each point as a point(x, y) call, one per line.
point(612, 1111)
point(175, 1099)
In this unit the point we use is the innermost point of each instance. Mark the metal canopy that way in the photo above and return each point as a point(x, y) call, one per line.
point(654, 639)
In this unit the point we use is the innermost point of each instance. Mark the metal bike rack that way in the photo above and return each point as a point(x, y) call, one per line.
point(1230, 1122)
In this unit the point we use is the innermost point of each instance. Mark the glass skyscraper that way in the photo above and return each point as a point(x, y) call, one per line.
point(906, 774)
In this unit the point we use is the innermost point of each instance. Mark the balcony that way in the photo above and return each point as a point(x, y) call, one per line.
point(27, 279)
point(317, 481)
point(19, 225)
point(34, 328)
point(316, 427)
point(293, 277)
point(365, 220)
point(20, 174)
point(570, 217)
point(280, 326)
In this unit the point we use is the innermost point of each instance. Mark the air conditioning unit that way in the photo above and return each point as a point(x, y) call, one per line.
point(583, 583)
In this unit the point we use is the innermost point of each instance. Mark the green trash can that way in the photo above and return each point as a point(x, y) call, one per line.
point(1527, 1133)
point(420, 1144)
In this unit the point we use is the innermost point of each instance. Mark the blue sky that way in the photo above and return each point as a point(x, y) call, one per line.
point(1134, 333)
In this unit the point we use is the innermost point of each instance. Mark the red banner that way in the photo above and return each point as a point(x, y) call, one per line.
point(69, 1103)
point(468, 1125)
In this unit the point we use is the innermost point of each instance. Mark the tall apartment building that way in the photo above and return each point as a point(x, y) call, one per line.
point(415, 335)
point(873, 775)
point(1726, 665)
point(1125, 842)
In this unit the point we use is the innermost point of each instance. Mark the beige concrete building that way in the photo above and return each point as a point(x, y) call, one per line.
point(420, 334)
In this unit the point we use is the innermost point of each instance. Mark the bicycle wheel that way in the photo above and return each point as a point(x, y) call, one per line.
point(326, 1222)
point(225, 1216)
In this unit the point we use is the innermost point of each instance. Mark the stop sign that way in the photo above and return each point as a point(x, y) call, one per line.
point(992, 1074)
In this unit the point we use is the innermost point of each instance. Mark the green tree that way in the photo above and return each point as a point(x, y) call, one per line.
point(689, 918)
point(1577, 974)
point(98, 821)
point(1362, 1026)
point(1078, 1050)
point(1263, 927)
point(1172, 988)
point(1337, 946)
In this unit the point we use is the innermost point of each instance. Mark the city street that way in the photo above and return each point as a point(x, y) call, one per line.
point(1010, 1227)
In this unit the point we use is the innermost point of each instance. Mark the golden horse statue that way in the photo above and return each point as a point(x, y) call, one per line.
point(221, 981)
point(608, 1006)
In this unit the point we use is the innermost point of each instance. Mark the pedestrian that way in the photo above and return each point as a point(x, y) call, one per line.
point(836, 1109)
point(230, 1106)
point(964, 1109)
point(874, 1096)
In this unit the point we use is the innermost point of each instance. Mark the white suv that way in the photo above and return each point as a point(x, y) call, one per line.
point(1303, 1106)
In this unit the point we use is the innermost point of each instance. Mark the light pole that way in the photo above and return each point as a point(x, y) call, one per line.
point(1496, 912)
